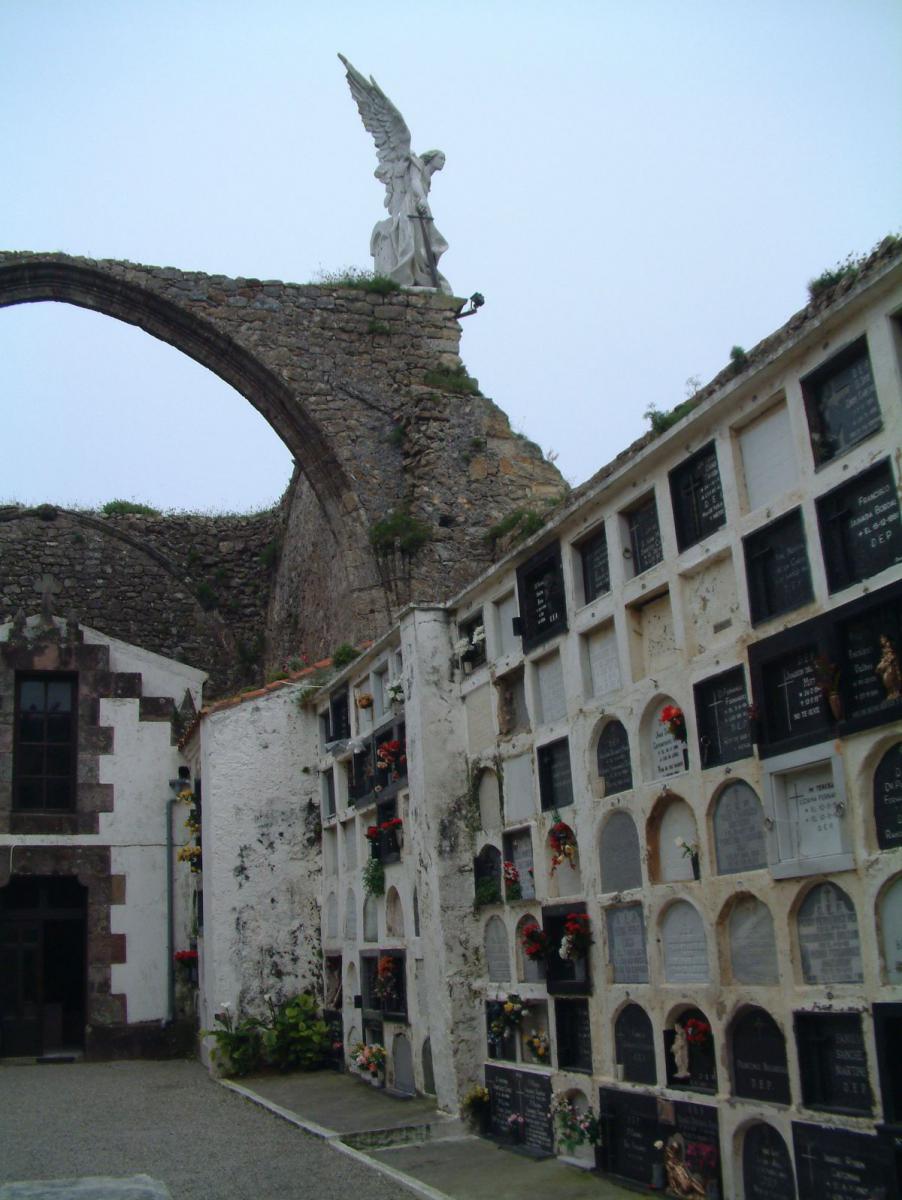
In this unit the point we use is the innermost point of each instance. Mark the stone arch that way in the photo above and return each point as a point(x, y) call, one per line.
point(669, 820)
point(350, 989)
point(428, 1069)
point(564, 873)
point(737, 819)
point(351, 916)
point(619, 855)
point(820, 912)
point(370, 920)
point(331, 918)
point(529, 970)
point(684, 944)
point(394, 914)
point(749, 944)
point(889, 928)
point(497, 951)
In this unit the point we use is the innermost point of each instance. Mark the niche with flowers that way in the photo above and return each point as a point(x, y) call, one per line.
point(689, 1052)
point(673, 845)
point(666, 751)
point(487, 877)
point(564, 878)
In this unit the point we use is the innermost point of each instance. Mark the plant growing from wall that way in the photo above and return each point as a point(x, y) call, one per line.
point(298, 1037)
point(374, 877)
point(344, 654)
point(124, 508)
point(452, 379)
point(399, 529)
point(360, 280)
point(488, 891)
point(239, 1043)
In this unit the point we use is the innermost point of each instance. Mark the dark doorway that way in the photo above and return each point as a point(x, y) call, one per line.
point(42, 966)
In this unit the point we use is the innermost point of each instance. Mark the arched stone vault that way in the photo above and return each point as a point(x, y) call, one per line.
point(341, 376)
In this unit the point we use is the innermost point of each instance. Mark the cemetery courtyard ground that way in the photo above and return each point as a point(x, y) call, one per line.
point(267, 1137)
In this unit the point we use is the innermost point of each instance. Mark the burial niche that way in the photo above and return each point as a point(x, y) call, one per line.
point(828, 936)
point(888, 799)
point(673, 834)
point(489, 802)
point(634, 1045)
point(497, 951)
point(889, 922)
point(739, 838)
point(428, 1070)
point(332, 917)
point(612, 756)
point(402, 1061)
point(689, 1052)
point(529, 970)
point(370, 920)
point(666, 730)
point(758, 1058)
point(753, 948)
point(685, 947)
point(394, 914)
point(487, 876)
point(626, 944)
point(766, 1165)
point(621, 867)
point(351, 916)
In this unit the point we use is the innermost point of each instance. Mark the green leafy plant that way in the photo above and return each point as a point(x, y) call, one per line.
point(522, 523)
point(452, 379)
point(344, 654)
point(401, 528)
point(488, 891)
point(374, 877)
point(206, 595)
point(269, 555)
point(354, 277)
point(739, 359)
point(122, 508)
point(662, 421)
point(239, 1044)
point(381, 327)
point(298, 1037)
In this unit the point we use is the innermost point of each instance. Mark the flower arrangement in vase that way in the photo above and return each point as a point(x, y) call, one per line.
point(674, 719)
point(535, 942)
point(562, 842)
point(577, 936)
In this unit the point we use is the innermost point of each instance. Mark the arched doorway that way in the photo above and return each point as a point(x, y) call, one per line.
point(42, 965)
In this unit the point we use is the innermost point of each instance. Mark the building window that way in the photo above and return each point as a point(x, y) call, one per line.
point(555, 782)
point(697, 497)
point(776, 564)
point(593, 554)
point(861, 529)
point(543, 608)
point(45, 747)
point(841, 403)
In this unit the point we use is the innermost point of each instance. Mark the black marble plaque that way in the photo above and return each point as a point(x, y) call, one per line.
point(613, 756)
point(555, 780)
point(841, 402)
point(629, 1130)
point(836, 1164)
point(766, 1166)
point(698, 1123)
point(697, 497)
point(540, 582)
point(860, 652)
point(833, 1062)
point(776, 560)
point(861, 529)
point(574, 1035)
point(793, 702)
point(528, 1094)
point(759, 1058)
point(634, 1045)
point(888, 799)
point(596, 571)
point(645, 537)
point(722, 717)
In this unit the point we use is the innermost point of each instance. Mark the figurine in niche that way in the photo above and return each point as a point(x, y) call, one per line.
point(887, 669)
point(680, 1180)
point(679, 1049)
point(406, 246)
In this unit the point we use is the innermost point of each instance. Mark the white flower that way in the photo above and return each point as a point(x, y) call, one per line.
point(478, 635)
point(268, 997)
point(659, 1145)
point(225, 1006)
point(461, 646)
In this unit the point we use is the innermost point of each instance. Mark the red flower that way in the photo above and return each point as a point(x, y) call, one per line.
point(535, 941)
point(373, 833)
point(185, 956)
point(392, 823)
point(697, 1032)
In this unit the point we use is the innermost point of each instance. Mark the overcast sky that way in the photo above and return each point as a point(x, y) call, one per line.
point(635, 186)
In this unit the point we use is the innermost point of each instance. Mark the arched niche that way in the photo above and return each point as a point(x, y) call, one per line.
point(564, 875)
point(331, 917)
point(394, 914)
point(671, 834)
point(529, 970)
point(580, 1103)
point(619, 855)
point(684, 944)
point(370, 920)
point(739, 837)
point(758, 1065)
point(350, 916)
point(751, 941)
point(887, 792)
point(428, 1069)
point(487, 876)
point(497, 951)
point(766, 1165)
point(889, 923)
point(402, 1065)
point(689, 1052)
point(664, 755)
point(613, 765)
point(829, 947)
point(489, 802)
point(634, 1045)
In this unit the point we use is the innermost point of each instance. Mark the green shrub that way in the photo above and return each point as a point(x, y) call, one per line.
point(120, 508)
point(488, 891)
point(374, 877)
point(662, 421)
point(364, 281)
point(206, 595)
point(452, 379)
point(739, 359)
point(525, 521)
point(269, 555)
point(399, 526)
point(297, 1037)
point(344, 654)
point(239, 1044)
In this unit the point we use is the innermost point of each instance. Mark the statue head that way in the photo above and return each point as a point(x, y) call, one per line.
point(433, 160)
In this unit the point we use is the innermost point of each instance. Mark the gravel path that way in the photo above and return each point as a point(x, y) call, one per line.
point(170, 1120)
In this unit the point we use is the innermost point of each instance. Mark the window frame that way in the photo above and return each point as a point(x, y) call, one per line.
point(20, 746)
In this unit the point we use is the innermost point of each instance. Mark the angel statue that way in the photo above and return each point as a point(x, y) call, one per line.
point(406, 246)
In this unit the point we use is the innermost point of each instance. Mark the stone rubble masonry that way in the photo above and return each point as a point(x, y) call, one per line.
point(341, 376)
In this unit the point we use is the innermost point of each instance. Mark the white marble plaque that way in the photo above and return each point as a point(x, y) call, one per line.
point(350, 841)
point(370, 920)
point(604, 661)
point(626, 944)
point(753, 950)
point(489, 802)
point(620, 865)
point(519, 800)
point(828, 937)
point(667, 754)
point(815, 825)
point(550, 680)
point(480, 719)
point(505, 611)
point(891, 929)
point(497, 951)
point(768, 458)
point(739, 830)
point(677, 827)
point(685, 948)
point(332, 917)
point(350, 916)
point(520, 846)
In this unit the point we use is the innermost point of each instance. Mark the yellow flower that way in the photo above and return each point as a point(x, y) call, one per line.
point(508, 1008)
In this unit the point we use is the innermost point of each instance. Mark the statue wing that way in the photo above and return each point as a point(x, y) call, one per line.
point(380, 117)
